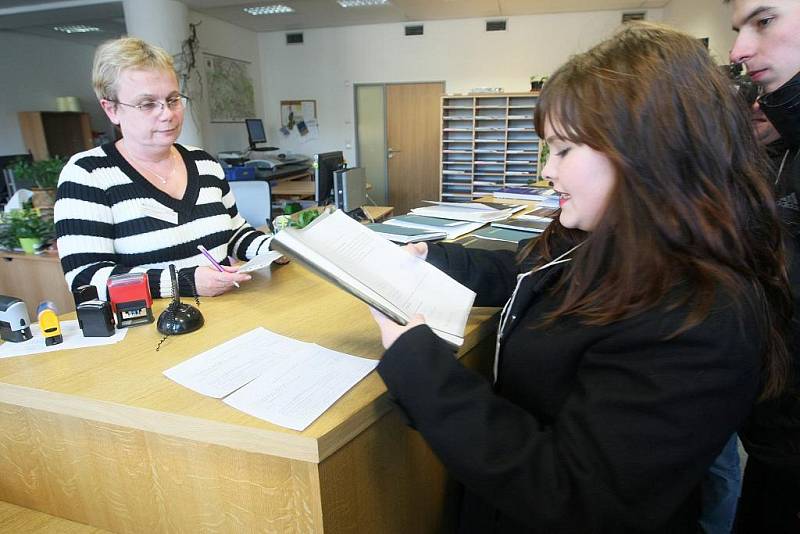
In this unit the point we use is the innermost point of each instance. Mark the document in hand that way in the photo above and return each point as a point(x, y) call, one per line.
point(468, 211)
point(378, 272)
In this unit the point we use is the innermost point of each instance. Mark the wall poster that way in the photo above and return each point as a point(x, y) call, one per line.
point(231, 93)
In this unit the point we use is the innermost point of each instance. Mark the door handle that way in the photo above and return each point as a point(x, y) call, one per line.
point(390, 151)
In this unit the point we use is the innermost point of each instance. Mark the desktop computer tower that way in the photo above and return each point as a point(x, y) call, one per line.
point(350, 188)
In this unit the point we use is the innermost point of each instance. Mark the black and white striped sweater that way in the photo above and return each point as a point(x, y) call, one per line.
point(105, 225)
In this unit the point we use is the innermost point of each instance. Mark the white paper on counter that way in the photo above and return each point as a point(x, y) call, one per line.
point(298, 388)
point(227, 367)
point(73, 339)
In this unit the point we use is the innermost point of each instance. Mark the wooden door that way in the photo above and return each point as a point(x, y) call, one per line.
point(412, 135)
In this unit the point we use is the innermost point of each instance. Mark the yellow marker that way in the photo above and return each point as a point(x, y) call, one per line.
point(49, 323)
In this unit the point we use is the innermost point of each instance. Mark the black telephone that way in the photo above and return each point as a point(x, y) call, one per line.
point(178, 318)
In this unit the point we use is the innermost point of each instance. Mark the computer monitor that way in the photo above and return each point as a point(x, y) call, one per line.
point(324, 165)
point(256, 134)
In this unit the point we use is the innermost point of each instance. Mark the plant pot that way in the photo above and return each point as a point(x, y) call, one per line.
point(43, 197)
point(30, 244)
point(536, 86)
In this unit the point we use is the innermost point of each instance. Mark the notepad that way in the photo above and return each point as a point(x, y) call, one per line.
point(260, 262)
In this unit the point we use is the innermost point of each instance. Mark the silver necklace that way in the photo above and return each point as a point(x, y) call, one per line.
point(151, 171)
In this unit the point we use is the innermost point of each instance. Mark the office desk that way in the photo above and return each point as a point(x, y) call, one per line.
point(294, 181)
point(378, 213)
point(298, 188)
point(286, 172)
point(101, 437)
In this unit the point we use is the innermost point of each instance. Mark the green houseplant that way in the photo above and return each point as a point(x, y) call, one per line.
point(44, 173)
point(7, 238)
point(29, 227)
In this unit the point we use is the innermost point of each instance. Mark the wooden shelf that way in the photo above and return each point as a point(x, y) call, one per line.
point(502, 126)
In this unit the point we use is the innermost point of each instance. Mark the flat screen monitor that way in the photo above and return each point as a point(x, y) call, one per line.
point(324, 165)
point(255, 132)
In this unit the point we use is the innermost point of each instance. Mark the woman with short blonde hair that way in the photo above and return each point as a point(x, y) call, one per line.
point(145, 201)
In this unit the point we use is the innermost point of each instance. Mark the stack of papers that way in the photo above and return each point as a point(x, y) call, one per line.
point(273, 377)
point(546, 197)
point(468, 211)
point(502, 234)
point(536, 226)
point(452, 229)
point(539, 214)
point(402, 234)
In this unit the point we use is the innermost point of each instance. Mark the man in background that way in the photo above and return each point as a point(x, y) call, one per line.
point(768, 44)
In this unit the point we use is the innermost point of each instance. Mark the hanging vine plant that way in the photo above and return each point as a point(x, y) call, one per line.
point(186, 67)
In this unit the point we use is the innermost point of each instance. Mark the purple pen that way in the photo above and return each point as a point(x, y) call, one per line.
point(210, 258)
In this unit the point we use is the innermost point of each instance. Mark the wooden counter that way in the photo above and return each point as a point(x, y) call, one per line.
point(101, 437)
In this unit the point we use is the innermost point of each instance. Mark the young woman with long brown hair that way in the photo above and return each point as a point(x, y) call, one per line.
point(638, 330)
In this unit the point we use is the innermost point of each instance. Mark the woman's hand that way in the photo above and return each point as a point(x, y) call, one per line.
point(210, 282)
point(390, 330)
point(419, 250)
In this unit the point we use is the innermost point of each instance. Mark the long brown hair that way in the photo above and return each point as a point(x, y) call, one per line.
point(691, 209)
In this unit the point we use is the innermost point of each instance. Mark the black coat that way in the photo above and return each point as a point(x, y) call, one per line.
point(587, 429)
point(772, 433)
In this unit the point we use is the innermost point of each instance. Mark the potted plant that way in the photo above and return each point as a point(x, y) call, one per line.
point(7, 238)
point(30, 228)
point(537, 82)
point(44, 173)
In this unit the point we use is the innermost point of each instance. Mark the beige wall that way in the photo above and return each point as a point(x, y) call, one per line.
point(35, 71)
point(459, 52)
point(704, 18)
point(224, 39)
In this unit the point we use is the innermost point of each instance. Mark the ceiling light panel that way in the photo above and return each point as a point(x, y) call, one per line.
point(362, 3)
point(274, 9)
point(76, 28)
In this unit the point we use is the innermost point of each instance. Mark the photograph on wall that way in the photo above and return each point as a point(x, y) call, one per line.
point(231, 93)
point(297, 112)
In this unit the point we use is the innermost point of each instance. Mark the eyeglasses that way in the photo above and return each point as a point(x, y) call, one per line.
point(155, 107)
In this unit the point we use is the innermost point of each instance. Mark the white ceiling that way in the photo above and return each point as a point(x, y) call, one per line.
point(39, 16)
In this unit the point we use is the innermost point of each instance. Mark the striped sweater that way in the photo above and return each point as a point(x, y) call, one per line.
point(109, 221)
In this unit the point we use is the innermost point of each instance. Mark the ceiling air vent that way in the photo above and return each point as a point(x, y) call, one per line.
point(414, 29)
point(294, 38)
point(628, 17)
point(495, 25)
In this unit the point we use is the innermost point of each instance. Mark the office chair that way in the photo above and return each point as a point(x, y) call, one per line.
point(254, 201)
